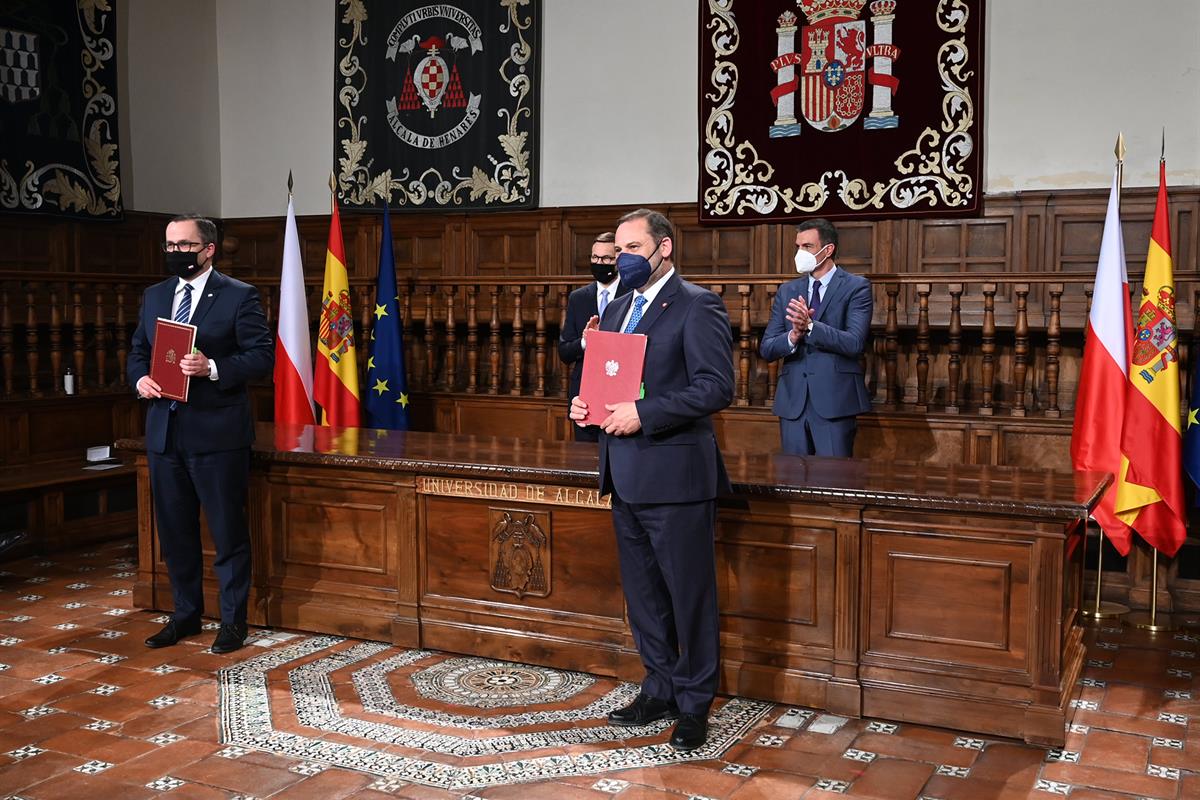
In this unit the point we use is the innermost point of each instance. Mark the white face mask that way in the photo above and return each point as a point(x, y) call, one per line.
point(806, 262)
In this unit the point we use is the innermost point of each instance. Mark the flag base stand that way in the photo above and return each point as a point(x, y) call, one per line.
point(1103, 609)
point(1153, 622)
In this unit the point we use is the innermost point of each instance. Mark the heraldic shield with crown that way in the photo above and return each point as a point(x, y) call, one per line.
point(436, 105)
point(840, 108)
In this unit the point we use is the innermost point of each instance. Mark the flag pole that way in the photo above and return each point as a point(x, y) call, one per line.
point(1108, 609)
point(1152, 624)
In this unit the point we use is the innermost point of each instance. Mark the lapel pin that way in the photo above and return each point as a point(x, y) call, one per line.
point(664, 305)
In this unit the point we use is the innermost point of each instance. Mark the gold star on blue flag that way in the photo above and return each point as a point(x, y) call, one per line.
point(386, 405)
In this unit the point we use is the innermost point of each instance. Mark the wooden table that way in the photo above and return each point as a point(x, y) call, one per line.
point(942, 595)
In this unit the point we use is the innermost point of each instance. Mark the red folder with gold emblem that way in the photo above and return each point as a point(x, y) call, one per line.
point(612, 371)
point(172, 341)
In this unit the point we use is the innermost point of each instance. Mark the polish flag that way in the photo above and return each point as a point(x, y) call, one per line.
point(293, 354)
point(1100, 402)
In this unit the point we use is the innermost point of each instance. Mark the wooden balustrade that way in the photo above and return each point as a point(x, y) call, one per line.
point(949, 343)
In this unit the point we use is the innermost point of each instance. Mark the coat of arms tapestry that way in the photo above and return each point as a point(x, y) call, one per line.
point(840, 109)
point(436, 104)
point(58, 108)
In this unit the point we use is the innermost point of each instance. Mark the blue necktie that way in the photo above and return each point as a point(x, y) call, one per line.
point(185, 305)
point(182, 315)
point(603, 301)
point(816, 299)
point(639, 303)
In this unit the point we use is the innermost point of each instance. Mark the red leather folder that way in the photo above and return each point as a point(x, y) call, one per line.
point(172, 341)
point(612, 371)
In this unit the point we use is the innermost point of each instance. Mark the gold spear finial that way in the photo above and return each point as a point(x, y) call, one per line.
point(1120, 149)
point(289, 183)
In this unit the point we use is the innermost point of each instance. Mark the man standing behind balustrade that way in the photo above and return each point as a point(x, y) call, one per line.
point(819, 326)
point(583, 304)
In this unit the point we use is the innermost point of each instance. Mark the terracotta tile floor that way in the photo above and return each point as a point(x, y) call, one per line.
point(87, 711)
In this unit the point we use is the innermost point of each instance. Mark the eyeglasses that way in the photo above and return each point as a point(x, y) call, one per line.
point(608, 260)
point(189, 247)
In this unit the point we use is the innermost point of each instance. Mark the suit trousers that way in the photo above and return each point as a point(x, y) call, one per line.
point(813, 435)
point(668, 571)
point(181, 484)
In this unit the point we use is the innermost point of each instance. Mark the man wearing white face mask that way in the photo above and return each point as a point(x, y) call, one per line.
point(819, 327)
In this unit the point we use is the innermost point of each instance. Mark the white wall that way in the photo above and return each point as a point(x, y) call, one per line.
point(1064, 78)
point(619, 99)
point(276, 78)
point(170, 112)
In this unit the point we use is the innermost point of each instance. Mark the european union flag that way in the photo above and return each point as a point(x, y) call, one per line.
point(386, 401)
point(1191, 428)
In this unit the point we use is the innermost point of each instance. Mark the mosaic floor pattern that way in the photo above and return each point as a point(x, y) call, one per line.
point(88, 712)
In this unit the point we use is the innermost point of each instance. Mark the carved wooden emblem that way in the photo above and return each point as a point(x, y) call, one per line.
point(520, 553)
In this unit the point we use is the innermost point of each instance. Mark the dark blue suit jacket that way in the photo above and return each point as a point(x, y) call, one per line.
point(231, 329)
point(825, 369)
point(582, 305)
point(688, 376)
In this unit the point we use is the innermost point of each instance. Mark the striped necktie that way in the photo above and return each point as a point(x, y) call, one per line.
point(185, 305)
point(183, 314)
point(639, 302)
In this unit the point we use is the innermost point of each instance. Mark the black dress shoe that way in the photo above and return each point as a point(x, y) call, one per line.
point(230, 637)
point(690, 732)
point(173, 631)
point(642, 711)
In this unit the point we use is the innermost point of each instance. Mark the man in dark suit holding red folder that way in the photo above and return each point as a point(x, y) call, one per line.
point(583, 304)
point(199, 451)
point(660, 462)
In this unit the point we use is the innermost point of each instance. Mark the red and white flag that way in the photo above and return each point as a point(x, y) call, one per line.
point(1100, 401)
point(293, 353)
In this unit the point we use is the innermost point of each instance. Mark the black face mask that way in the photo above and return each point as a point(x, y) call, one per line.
point(183, 264)
point(604, 273)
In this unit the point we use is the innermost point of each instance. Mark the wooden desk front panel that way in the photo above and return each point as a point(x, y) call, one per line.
point(341, 552)
point(554, 599)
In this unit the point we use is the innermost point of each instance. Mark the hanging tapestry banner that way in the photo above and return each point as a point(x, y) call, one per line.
point(58, 108)
point(840, 109)
point(436, 104)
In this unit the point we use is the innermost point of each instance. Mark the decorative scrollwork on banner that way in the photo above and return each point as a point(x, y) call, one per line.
point(60, 139)
point(938, 173)
point(383, 158)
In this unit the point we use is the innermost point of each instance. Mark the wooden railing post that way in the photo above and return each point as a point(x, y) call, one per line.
point(923, 291)
point(518, 340)
point(1020, 349)
point(77, 335)
point(430, 370)
point(122, 337)
point(56, 337)
point(101, 339)
point(564, 371)
point(450, 374)
point(406, 289)
point(772, 367)
point(891, 333)
point(540, 332)
point(6, 341)
point(743, 386)
point(988, 348)
point(1053, 349)
point(31, 336)
point(494, 342)
point(954, 335)
point(472, 340)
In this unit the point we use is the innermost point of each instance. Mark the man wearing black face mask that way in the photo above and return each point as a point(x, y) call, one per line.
point(583, 305)
point(199, 451)
point(660, 463)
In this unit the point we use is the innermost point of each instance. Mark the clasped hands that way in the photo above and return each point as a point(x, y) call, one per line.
point(194, 365)
point(624, 418)
point(799, 316)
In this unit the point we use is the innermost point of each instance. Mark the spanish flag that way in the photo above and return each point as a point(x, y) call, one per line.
point(1150, 484)
point(335, 376)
